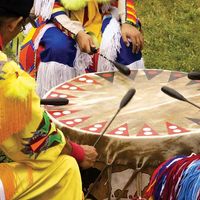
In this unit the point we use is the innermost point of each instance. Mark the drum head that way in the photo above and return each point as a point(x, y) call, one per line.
point(94, 99)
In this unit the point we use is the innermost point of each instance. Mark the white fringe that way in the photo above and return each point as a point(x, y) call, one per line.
point(51, 74)
point(2, 192)
point(40, 35)
point(43, 8)
point(82, 61)
point(139, 64)
point(110, 45)
point(105, 8)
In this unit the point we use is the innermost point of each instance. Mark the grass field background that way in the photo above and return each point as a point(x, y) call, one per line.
point(172, 33)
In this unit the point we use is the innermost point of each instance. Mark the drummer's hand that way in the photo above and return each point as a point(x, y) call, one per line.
point(85, 42)
point(132, 34)
point(90, 157)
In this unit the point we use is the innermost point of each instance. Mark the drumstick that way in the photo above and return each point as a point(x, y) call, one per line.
point(122, 68)
point(125, 100)
point(194, 75)
point(54, 101)
point(174, 94)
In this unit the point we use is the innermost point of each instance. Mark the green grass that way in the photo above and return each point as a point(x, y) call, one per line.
point(172, 33)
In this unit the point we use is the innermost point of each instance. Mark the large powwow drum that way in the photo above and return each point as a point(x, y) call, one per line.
point(150, 129)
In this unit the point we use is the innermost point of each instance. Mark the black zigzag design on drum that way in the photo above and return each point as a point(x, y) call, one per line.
point(197, 121)
point(152, 73)
point(176, 75)
point(133, 74)
point(193, 82)
point(109, 76)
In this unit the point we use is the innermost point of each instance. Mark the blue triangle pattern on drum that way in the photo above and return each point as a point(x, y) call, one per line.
point(176, 75)
point(197, 121)
point(109, 76)
point(152, 73)
point(194, 82)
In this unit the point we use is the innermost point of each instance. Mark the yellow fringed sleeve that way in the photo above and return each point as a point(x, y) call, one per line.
point(74, 5)
point(8, 180)
point(15, 98)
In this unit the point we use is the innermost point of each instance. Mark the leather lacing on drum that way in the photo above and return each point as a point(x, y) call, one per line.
point(136, 174)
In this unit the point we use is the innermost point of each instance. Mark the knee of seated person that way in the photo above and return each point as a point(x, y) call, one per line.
point(62, 45)
point(56, 45)
point(71, 163)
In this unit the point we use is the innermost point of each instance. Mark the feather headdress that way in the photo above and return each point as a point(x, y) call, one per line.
point(43, 8)
point(16, 88)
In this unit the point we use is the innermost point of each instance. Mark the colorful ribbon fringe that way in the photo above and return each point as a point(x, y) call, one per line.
point(176, 179)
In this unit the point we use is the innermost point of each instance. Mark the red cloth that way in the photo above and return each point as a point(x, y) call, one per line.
point(1, 43)
point(77, 152)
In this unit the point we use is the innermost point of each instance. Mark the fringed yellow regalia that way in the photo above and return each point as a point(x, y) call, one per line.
point(27, 136)
point(77, 12)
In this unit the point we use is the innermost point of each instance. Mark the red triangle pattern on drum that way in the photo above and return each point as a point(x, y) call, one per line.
point(147, 131)
point(95, 128)
point(69, 86)
point(176, 75)
point(59, 95)
point(152, 73)
point(61, 113)
point(174, 129)
point(193, 82)
point(109, 76)
point(74, 122)
point(86, 79)
point(120, 131)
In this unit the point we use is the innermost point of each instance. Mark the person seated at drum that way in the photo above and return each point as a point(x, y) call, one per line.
point(89, 24)
point(40, 168)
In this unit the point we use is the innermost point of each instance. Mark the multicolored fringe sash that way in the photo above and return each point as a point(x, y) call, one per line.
point(176, 179)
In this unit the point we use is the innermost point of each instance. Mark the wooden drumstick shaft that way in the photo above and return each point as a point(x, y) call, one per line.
point(102, 134)
point(125, 100)
point(193, 104)
point(54, 101)
point(122, 68)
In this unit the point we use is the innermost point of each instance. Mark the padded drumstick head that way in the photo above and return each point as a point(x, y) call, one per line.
point(93, 50)
point(122, 68)
point(54, 101)
point(128, 96)
point(173, 93)
point(194, 75)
